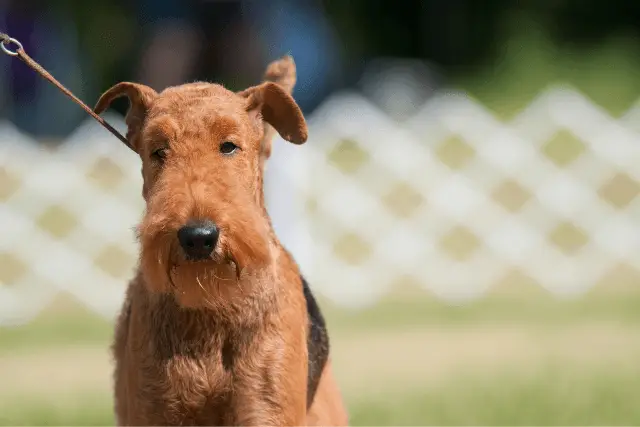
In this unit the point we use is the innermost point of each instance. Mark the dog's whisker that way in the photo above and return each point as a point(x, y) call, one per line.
point(205, 291)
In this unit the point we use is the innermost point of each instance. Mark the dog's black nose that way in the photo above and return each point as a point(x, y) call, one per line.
point(198, 239)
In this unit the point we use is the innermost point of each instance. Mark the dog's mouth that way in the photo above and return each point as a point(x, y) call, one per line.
point(214, 258)
point(215, 265)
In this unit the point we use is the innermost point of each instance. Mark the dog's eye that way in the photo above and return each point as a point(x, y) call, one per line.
point(159, 154)
point(228, 147)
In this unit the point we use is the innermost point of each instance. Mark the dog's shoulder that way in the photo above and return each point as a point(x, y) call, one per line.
point(317, 341)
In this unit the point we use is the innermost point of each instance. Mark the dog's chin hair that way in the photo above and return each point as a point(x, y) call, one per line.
point(194, 283)
point(203, 285)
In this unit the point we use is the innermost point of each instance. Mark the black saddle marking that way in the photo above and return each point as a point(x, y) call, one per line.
point(317, 342)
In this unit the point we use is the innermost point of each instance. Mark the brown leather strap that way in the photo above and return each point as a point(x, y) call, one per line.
point(5, 41)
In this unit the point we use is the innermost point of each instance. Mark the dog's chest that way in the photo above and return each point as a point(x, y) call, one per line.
point(197, 387)
point(192, 379)
point(193, 389)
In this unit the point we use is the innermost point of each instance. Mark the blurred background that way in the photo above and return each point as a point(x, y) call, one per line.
point(466, 207)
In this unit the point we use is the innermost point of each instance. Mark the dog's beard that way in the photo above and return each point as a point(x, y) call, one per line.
point(195, 284)
point(204, 283)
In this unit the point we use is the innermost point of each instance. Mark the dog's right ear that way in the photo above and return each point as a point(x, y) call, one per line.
point(272, 103)
point(140, 99)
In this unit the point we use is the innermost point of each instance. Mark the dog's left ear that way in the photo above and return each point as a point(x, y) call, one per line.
point(276, 107)
point(140, 99)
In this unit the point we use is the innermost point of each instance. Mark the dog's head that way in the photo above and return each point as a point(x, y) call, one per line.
point(200, 146)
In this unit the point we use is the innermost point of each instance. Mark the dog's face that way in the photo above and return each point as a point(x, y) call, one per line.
point(200, 150)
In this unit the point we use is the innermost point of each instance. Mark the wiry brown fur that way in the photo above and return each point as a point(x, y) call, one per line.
point(222, 341)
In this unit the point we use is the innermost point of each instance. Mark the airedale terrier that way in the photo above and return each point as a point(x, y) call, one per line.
point(218, 326)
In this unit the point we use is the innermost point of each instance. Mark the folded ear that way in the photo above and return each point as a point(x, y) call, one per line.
point(140, 99)
point(283, 72)
point(276, 107)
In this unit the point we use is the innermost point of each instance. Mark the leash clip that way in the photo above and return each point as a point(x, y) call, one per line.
point(5, 41)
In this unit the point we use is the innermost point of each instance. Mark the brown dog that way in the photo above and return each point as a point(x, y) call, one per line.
point(218, 327)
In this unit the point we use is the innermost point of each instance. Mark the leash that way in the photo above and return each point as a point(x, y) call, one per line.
point(6, 41)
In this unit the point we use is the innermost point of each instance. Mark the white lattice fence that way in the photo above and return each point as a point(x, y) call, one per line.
point(66, 221)
point(452, 200)
point(456, 201)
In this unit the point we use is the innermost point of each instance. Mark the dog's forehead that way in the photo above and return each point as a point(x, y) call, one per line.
point(193, 99)
point(193, 106)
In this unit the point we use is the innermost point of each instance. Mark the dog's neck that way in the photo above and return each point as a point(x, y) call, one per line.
point(176, 330)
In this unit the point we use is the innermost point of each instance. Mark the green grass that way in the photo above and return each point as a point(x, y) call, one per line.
point(555, 395)
point(74, 328)
point(540, 309)
point(87, 410)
